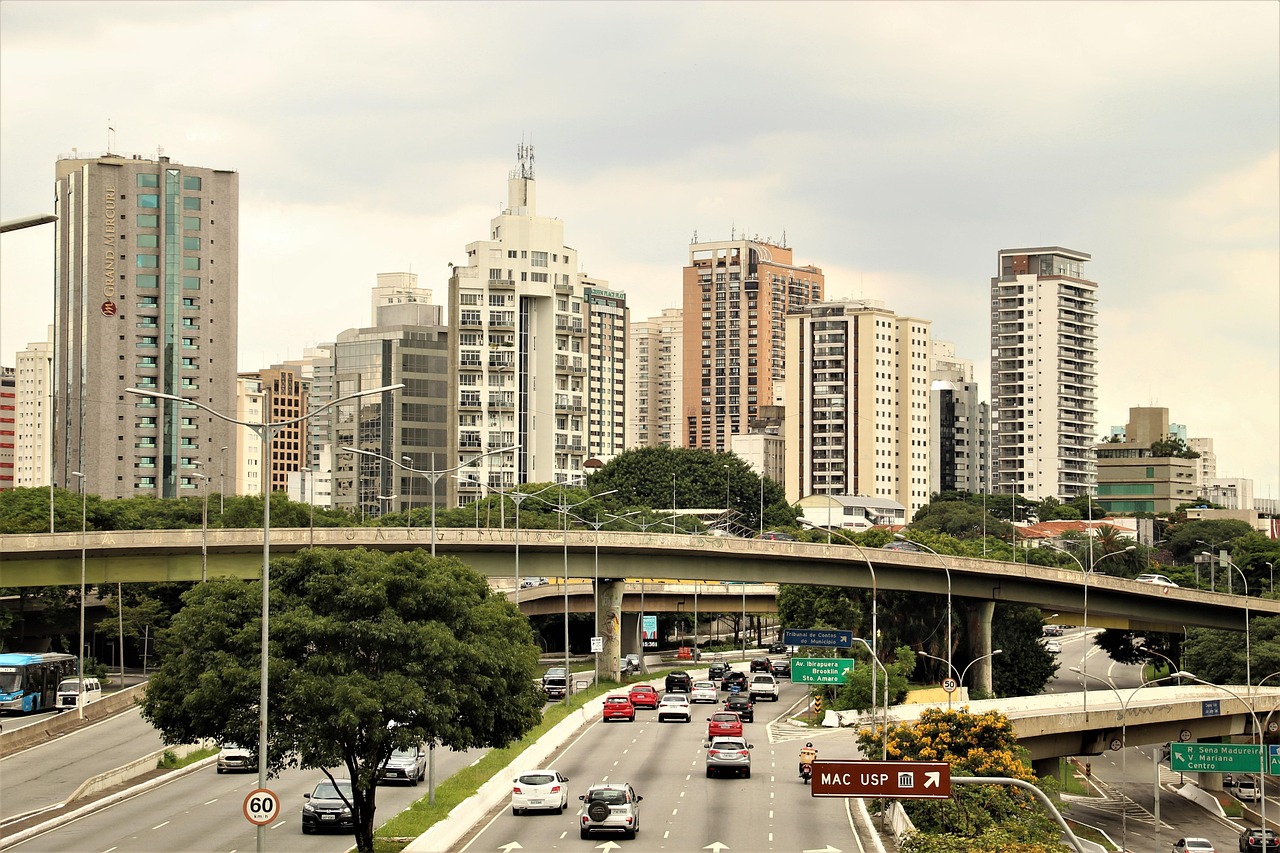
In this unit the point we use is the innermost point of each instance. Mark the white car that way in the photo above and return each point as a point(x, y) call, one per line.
point(1053, 646)
point(1194, 845)
point(675, 706)
point(1247, 789)
point(235, 757)
point(704, 691)
point(540, 789)
point(1158, 580)
point(763, 685)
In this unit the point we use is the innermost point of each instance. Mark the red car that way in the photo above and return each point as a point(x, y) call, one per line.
point(619, 708)
point(643, 696)
point(724, 724)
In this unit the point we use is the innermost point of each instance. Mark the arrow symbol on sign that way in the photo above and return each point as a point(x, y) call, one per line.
point(827, 849)
point(716, 846)
point(513, 845)
point(933, 779)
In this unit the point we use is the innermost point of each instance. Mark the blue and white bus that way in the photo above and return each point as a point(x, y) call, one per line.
point(29, 682)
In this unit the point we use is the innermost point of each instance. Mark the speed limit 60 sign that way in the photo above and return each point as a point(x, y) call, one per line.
point(261, 806)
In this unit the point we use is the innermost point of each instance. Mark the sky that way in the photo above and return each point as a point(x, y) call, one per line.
point(898, 146)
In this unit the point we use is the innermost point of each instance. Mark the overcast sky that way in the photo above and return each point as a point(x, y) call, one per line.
point(898, 146)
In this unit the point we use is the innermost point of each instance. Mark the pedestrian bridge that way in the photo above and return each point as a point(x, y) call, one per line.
point(175, 555)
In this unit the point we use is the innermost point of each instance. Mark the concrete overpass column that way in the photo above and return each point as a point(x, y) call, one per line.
point(980, 615)
point(610, 616)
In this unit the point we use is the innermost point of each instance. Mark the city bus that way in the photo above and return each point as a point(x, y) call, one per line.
point(29, 682)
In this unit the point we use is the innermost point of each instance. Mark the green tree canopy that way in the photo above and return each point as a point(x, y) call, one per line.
point(369, 652)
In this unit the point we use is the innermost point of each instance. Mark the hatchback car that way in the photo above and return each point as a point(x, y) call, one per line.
point(643, 696)
point(1158, 580)
point(1251, 840)
point(405, 765)
point(674, 706)
point(1247, 789)
point(679, 681)
point(716, 671)
point(1194, 845)
point(741, 705)
point(728, 755)
point(1052, 646)
point(233, 757)
point(704, 691)
point(619, 708)
point(734, 682)
point(724, 724)
point(540, 789)
point(328, 806)
point(610, 807)
point(760, 665)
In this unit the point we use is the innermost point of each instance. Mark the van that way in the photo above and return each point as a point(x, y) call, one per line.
point(69, 692)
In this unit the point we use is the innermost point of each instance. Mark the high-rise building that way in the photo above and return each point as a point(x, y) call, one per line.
point(737, 294)
point(146, 296)
point(523, 350)
point(1207, 464)
point(286, 396)
point(396, 288)
point(33, 404)
point(654, 386)
point(857, 403)
point(1044, 374)
point(957, 424)
point(247, 466)
point(8, 416)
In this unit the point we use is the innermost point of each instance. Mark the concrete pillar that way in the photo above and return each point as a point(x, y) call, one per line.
point(611, 630)
point(980, 614)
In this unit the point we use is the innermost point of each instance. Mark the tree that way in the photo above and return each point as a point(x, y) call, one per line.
point(1023, 666)
point(994, 839)
point(963, 520)
point(1219, 656)
point(369, 652)
point(855, 692)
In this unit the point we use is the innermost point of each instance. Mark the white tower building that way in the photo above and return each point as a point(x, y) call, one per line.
point(33, 405)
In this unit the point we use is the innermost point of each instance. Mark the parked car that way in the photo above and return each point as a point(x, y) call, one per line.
point(734, 681)
point(741, 705)
point(328, 806)
point(540, 789)
point(619, 708)
point(233, 757)
point(1194, 845)
point(724, 724)
point(777, 536)
point(610, 807)
point(675, 705)
point(643, 696)
point(704, 691)
point(405, 765)
point(728, 755)
point(1247, 790)
point(1251, 840)
point(679, 681)
point(1158, 580)
point(761, 686)
point(760, 665)
point(780, 667)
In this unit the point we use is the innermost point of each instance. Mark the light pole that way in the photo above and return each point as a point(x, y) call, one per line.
point(433, 476)
point(386, 508)
point(222, 488)
point(673, 512)
point(1248, 653)
point(962, 673)
point(311, 489)
point(266, 432)
point(761, 518)
point(947, 569)
point(518, 498)
point(564, 510)
point(83, 521)
point(726, 489)
point(1220, 556)
point(204, 530)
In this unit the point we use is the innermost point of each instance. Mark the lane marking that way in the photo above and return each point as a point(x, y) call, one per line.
point(210, 802)
point(158, 825)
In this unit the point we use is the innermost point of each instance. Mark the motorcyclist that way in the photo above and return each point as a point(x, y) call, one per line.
point(807, 756)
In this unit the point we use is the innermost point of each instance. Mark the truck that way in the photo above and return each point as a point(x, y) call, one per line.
point(555, 682)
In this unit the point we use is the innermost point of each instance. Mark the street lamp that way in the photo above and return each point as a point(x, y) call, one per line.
point(1248, 675)
point(726, 489)
point(204, 530)
point(83, 519)
point(1124, 740)
point(947, 569)
point(433, 476)
point(761, 518)
point(518, 498)
point(962, 673)
point(386, 509)
point(222, 489)
point(266, 432)
point(644, 528)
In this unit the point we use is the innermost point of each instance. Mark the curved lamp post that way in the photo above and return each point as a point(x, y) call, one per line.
point(1248, 651)
point(204, 530)
point(947, 569)
point(644, 528)
point(266, 432)
point(518, 498)
point(962, 673)
point(83, 520)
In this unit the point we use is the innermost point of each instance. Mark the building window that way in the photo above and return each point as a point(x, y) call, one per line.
point(191, 183)
point(149, 200)
point(148, 241)
point(538, 259)
point(190, 243)
point(191, 263)
point(190, 203)
point(191, 223)
point(148, 180)
point(148, 220)
point(148, 261)
point(191, 282)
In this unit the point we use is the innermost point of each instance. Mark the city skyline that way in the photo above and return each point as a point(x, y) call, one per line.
point(904, 145)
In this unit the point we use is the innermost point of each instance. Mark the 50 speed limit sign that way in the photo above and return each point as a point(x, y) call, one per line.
point(261, 806)
point(949, 685)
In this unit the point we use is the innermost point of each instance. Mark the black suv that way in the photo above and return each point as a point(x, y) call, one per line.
point(716, 671)
point(1251, 839)
point(742, 705)
point(760, 665)
point(679, 682)
point(555, 682)
point(734, 678)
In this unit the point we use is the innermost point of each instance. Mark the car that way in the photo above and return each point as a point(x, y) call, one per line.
point(1227, 780)
point(1158, 580)
point(232, 757)
point(555, 682)
point(618, 707)
point(724, 724)
point(328, 806)
point(643, 696)
point(777, 536)
point(760, 665)
point(901, 545)
point(540, 789)
point(1053, 646)
point(741, 705)
point(1194, 845)
point(610, 807)
point(529, 583)
point(716, 671)
point(68, 692)
point(1251, 839)
point(777, 648)
point(734, 681)
point(679, 681)
point(675, 705)
point(405, 765)
point(1052, 630)
point(704, 691)
point(763, 685)
point(780, 667)
point(728, 754)
point(1247, 789)
point(634, 663)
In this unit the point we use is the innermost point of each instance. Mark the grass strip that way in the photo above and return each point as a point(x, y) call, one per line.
point(170, 760)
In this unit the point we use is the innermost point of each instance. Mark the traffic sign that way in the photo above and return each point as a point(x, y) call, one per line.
point(949, 685)
point(1214, 758)
point(906, 780)
point(597, 644)
point(818, 638)
point(820, 670)
point(261, 806)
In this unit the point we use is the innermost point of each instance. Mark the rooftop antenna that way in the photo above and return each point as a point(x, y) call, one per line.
point(784, 238)
point(111, 136)
point(695, 236)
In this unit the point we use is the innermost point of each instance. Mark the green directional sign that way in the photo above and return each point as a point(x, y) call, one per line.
point(1214, 757)
point(820, 670)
